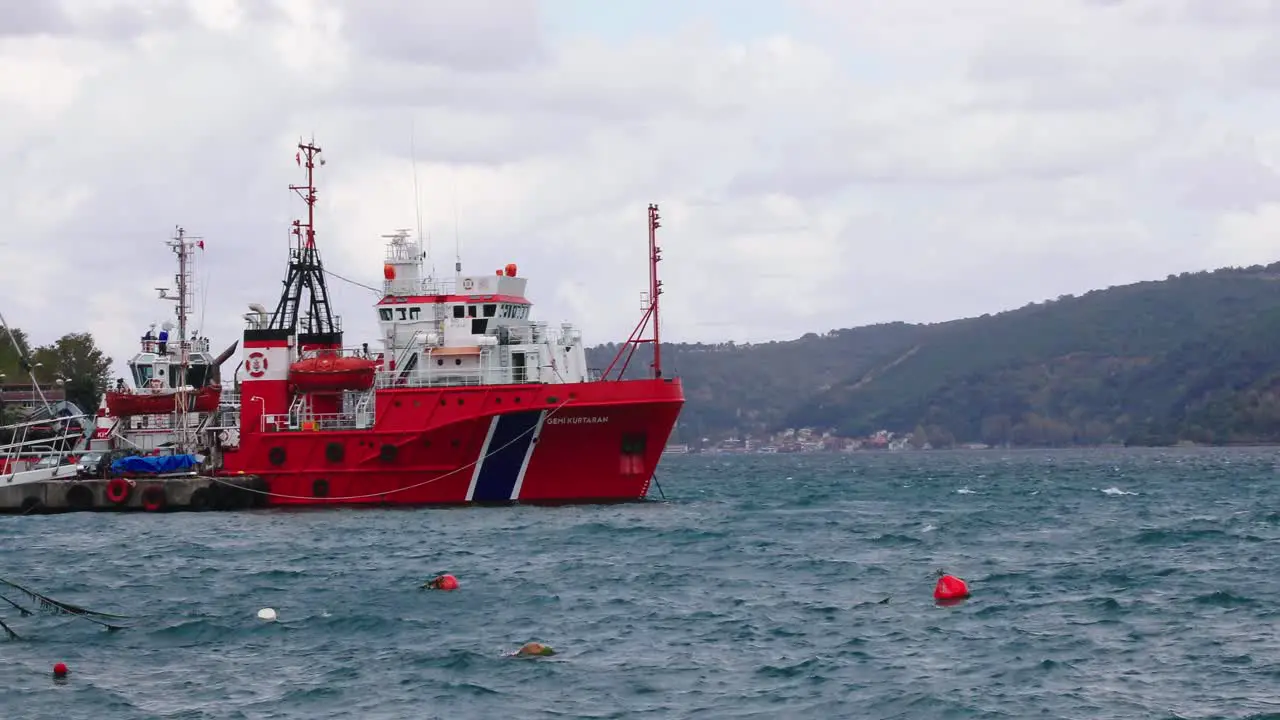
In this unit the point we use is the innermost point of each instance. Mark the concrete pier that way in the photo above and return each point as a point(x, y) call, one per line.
point(137, 494)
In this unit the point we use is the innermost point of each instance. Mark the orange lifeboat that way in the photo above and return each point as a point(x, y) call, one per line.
point(126, 403)
point(327, 372)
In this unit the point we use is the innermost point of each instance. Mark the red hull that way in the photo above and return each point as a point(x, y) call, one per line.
point(324, 373)
point(580, 442)
point(124, 404)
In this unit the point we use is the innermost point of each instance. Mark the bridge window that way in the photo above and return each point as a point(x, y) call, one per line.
point(400, 313)
point(414, 312)
point(490, 310)
point(385, 314)
point(142, 375)
point(459, 311)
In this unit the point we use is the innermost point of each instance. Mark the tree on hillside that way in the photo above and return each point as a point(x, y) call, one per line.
point(76, 360)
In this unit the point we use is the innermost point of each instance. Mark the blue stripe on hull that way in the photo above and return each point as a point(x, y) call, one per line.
point(499, 471)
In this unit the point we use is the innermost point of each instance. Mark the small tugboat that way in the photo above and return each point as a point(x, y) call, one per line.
point(170, 376)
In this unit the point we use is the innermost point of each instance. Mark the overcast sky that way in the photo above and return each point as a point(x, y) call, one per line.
point(819, 163)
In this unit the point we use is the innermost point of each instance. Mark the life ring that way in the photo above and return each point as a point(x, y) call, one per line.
point(153, 498)
point(118, 490)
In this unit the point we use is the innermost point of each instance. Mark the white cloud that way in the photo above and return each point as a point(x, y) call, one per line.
point(868, 161)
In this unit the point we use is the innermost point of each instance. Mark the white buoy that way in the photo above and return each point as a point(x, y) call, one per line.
point(267, 614)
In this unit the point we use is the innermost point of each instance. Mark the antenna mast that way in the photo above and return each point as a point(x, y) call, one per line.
point(651, 309)
point(457, 241)
point(417, 197)
point(655, 285)
point(183, 246)
point(306, 270)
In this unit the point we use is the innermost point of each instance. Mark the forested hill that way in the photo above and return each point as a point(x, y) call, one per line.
point(1195, 357)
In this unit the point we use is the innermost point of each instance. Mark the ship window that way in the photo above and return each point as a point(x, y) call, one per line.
point(142, 375)
point(385, 314)
point(458, 361)
point(414, 312)
point(440, 362)
point(490, 310)
point(478, 326)
point(400, 312)
point(471, 311)
point(459, 311)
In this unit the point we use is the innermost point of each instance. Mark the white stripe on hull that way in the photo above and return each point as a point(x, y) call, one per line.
point(524, 466)
point(484, 452)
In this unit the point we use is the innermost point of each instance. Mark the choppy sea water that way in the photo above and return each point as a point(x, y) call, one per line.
point(1107, 584)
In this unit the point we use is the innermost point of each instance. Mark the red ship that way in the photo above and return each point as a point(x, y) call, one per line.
point(469, 400)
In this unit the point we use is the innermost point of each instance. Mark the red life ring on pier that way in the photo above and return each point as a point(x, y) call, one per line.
point(118, 490)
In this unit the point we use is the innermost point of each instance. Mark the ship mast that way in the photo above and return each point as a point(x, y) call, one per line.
point(650, 312)
point(306, 270)
point(184, 247)
point(655, 285)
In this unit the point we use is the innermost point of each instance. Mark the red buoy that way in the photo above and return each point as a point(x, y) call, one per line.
point(60, 670)
point(950, 587)
point(442, 582)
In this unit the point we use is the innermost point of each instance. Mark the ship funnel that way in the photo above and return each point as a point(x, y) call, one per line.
point(222, 357)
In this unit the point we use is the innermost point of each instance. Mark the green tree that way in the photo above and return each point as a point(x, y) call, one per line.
point(77, 361)
point(10, 356)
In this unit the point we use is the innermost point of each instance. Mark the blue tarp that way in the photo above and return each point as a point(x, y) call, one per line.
point(153, 463)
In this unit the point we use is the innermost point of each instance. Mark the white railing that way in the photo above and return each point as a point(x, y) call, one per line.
point(314, 422)
point(427, 286)
point(337, 353)
point(198, 345)
point(533, 334)
point(416, 379)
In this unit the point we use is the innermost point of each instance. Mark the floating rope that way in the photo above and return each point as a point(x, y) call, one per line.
point(57, 607)
point(25, 612)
